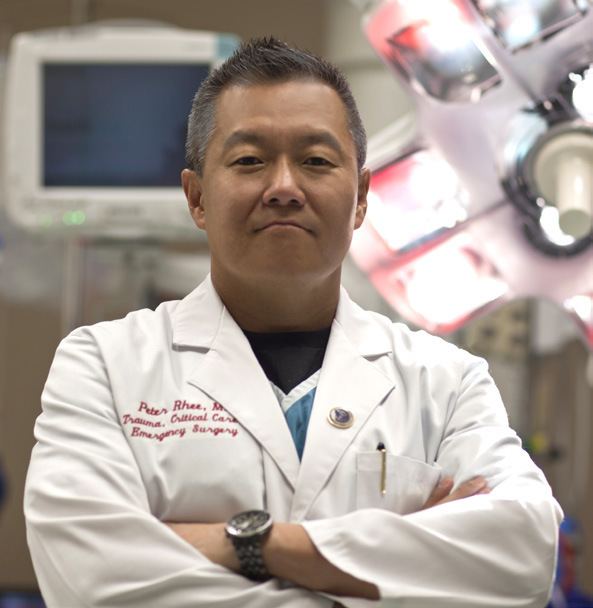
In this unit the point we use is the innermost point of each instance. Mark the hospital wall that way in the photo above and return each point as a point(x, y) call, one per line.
point(542, 387)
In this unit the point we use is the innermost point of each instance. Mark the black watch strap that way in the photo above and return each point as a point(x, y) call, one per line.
point(249, 553)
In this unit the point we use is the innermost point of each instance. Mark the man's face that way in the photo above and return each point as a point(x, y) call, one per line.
point(280, 192)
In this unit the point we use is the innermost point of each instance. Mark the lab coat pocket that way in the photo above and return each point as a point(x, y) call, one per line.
point(408, 482)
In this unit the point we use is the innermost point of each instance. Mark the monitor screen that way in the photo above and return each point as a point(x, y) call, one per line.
point(116, 125)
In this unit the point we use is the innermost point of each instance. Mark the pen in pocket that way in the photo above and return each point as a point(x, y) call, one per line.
point(383, 482)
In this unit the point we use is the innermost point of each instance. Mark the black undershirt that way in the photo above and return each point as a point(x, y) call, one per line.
point(288, 358)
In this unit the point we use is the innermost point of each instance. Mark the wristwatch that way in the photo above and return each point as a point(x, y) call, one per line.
point(247, 531)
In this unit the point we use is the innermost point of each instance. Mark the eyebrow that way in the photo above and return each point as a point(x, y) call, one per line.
point(308, 139)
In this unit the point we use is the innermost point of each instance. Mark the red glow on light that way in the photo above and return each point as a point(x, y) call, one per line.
point(397, 17)
point(444, 288)
point(415, 196)
point(433, 46)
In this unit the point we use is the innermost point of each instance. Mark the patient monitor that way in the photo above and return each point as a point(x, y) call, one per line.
point(95, 123)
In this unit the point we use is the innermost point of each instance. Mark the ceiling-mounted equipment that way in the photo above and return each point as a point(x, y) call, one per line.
point(491, 197)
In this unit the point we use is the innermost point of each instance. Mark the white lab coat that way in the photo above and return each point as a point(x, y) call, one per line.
point(167, 416)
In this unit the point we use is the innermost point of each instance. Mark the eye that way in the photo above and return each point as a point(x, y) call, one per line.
point(247, 161)
point(318, 161)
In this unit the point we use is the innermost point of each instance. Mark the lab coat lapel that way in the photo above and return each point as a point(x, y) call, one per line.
point(229, 373)
point(350, 380)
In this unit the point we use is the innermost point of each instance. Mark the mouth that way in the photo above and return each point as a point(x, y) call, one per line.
point(282, 225)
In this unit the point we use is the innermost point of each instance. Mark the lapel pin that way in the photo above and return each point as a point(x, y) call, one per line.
point(341, 419)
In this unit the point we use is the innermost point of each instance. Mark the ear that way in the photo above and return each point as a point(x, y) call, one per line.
point(192, 187)
point(364, 180)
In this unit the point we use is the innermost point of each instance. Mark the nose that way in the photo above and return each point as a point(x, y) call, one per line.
point(283, 188)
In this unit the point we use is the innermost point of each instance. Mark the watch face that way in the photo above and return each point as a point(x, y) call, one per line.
point(249, 523)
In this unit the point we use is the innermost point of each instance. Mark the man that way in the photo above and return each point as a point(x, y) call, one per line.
point(265, 442)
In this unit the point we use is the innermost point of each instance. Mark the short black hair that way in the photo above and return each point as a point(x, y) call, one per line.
point(262, 61)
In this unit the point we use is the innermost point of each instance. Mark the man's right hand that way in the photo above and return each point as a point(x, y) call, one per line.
point(442, 491)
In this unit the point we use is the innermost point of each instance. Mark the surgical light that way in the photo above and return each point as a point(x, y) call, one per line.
point(581, 307)
point(419, 195)
point(464, 279)
point(490, 197)
point(443, 60)
point(582, 93)
point(521, 22)
point(434, 48)
point(551, 180)
point(563, 173)
point(550, 223)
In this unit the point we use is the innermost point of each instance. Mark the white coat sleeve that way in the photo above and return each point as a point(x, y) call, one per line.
point(92, 537)
point(488, 551)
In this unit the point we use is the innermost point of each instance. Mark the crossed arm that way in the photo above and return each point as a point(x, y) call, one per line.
point(88, 512)
point(290, 554)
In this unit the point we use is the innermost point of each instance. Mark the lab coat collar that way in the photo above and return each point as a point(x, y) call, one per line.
point(229, 373)
point(361, 328)
point(198, 318)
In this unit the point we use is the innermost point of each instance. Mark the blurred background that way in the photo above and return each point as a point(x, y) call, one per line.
point(521, 314)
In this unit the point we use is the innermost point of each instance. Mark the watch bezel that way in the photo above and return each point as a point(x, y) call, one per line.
point(253, 530)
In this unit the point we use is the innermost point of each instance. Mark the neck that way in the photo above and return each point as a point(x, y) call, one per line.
point(279, 304)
